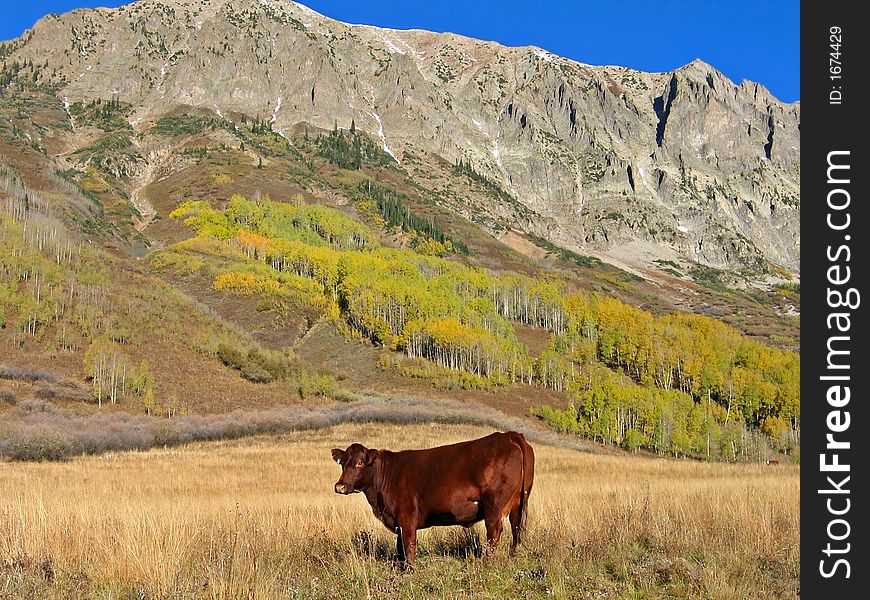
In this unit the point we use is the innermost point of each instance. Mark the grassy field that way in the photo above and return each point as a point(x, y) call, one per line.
point(257, 518)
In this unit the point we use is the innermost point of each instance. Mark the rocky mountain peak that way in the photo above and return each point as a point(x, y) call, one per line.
point(634, 167)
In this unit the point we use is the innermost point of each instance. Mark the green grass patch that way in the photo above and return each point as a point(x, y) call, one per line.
point(107, 115)
point(582, 260)
point(182, 125)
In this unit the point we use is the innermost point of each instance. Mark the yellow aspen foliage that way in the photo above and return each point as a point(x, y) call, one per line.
point(253, 245)
point(247, 284)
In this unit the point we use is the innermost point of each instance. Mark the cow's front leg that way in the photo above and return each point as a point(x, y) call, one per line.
point(400, 545)
point(493, 521)
point(406, 543)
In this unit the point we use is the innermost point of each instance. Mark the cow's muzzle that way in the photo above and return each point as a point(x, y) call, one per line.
point(343, 488)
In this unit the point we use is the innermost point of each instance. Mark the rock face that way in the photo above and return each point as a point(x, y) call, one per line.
point(610, 161)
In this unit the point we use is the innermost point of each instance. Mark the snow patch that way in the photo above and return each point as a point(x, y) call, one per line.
point(496, 150)
point(88, 68)
point(683, 228)
point(275, 110)
point(377, 118)
point(547, 56)
point(162, 78)
point(391, 46)
point(646, 182)
point(304, 9)
point(556, 59)
point(396, 45)
point(390, 29)
point(496, 154)
point(384, 137)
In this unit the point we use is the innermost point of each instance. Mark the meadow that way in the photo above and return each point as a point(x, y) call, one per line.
point(258, 518)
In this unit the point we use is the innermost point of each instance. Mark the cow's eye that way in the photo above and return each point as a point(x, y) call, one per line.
point(359, 465)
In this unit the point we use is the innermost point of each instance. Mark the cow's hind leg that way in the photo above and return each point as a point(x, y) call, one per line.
point(515, 518)
point(519, 502)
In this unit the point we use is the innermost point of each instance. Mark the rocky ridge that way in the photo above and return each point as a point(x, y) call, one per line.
point(633, 167)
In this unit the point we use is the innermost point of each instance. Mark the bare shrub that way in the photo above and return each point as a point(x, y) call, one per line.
point(26, 374)
point(45, 393)
point(36, 430)
point(7, 396)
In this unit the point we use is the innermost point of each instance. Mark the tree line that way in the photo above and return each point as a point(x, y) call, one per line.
point(348, 149)
point(394, 210)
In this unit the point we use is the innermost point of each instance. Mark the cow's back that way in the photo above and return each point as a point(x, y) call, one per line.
point(461, 462)
point(438, 479)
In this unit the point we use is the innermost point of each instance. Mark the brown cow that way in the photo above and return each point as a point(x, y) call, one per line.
point(458, 484)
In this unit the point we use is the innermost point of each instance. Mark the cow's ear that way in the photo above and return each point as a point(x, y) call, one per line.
point(338, 455)
point(371, 455)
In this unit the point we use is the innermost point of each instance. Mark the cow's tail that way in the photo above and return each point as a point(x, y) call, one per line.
point(527, 474)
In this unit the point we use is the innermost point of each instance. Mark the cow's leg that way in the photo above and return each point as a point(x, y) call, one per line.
point(515, 519)
point(400, 546)
point(516, 507)
point(407, 543)
point(496, 507)
point(493, 522)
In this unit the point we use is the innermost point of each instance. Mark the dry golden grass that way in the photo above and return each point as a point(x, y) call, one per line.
point(257, 518)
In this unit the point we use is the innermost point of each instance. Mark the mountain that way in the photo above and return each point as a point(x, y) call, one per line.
point(642, 170)
point(228, 207)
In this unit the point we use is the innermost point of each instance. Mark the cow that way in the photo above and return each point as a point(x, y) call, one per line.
point(458, 484)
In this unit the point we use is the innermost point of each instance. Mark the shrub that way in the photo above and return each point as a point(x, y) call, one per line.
point(35, 430)
point(41, 445)
point(311, 384)
point(234, 357)
point(26, 374)
point(256, 364)
point(255, 372)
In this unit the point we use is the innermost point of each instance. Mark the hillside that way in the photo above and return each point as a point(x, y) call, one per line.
point(346, 212)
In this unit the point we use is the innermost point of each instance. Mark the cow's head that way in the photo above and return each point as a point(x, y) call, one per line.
point(357, 468)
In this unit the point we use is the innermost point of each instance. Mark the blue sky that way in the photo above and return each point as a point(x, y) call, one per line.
point(745, 39)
